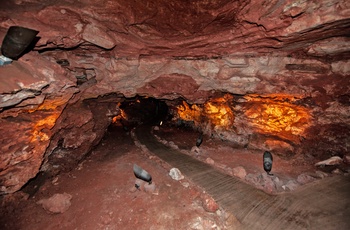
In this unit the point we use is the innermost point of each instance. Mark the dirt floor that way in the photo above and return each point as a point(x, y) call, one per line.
point(103, 193)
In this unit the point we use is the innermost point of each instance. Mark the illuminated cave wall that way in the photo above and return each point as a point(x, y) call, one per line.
point(280, 120)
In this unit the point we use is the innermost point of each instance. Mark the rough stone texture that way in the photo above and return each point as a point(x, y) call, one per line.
point(209, 203)
point(58, 203)
point(176, 174)
point(285, 62)
point(79, 128)
point(205, 29)
point(305, 178)
point(347, 159)
point(291, 185)
point(32, 99)
point(239, 171)
point(331, 161)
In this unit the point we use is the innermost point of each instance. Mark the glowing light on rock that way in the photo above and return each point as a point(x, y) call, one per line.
point(216, 111)
point(277, 115)
point(219, 112)
point(52, 104)
point(121, 116)
point(52, 108)
point(46, 123)
point(189, 112)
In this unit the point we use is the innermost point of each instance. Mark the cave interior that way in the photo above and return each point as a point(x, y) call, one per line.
point(245, 76)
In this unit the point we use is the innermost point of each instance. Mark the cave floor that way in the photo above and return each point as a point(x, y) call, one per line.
point(104, 195)
point(226, 155)
point(323, 204)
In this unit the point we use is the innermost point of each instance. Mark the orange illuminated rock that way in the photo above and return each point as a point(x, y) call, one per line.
point(277, 115)
point(216, 111)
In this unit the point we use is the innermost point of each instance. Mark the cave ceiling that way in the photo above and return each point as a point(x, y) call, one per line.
point(180, 28)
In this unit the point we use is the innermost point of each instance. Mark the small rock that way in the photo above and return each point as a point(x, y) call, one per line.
point(277, 181)
point(197, 224)
point(305, 179)
point(173, 145)
point(291, 185)
point(347, 159)
point(210, 161)
point(209, 224)
point(150, 188)
point(331, 161)
point(58, 203)
point(337, 171)
point(321, 174)
point(185, 184)
point(164, 142)
point(239, 172)
point(176, 174)
point(156, 128)
point(139, 184)
point(55, 181)
point(254, 179)
point(195, 149)
point(208, 203)
point(229, 171)
point(268, 183)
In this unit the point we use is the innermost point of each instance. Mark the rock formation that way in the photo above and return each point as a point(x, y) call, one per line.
point(283, 64)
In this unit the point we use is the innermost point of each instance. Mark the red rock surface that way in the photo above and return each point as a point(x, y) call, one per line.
point(180, 28)
point(269, 55)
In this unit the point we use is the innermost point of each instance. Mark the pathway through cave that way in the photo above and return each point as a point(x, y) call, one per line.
point(104, 196)
point(321, 205)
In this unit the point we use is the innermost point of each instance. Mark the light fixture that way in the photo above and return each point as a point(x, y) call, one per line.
point(15, 43)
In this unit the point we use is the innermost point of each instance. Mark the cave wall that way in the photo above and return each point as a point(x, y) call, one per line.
point(284, 51)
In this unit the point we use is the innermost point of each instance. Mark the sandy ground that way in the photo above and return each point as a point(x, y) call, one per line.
point(103, 193)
